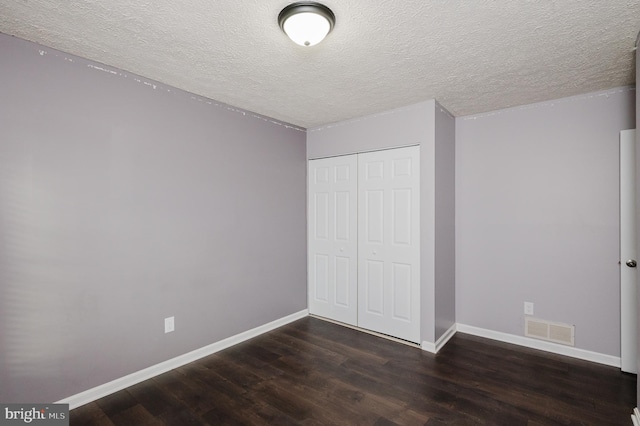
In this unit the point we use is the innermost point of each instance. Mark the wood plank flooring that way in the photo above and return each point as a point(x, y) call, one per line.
point(314, 372)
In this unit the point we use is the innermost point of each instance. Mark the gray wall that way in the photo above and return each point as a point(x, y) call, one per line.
point(537, 202)
point(445, 249)
point(122, 202)
point(410, 125)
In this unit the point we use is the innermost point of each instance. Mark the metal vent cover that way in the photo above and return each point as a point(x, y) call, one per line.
point(550, 331)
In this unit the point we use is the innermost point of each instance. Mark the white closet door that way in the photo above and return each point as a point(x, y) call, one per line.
point(333, 244)
point(389, 242)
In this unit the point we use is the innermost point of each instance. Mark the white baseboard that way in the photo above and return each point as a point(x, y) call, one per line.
point(635, 417)
point(539, 344)
point(439, 344)
point(103, 390)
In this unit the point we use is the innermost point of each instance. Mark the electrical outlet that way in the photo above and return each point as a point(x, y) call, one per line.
point(169, 324)
point(528, 308)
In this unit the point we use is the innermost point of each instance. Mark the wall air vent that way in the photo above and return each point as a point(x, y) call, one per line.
point(550, 331)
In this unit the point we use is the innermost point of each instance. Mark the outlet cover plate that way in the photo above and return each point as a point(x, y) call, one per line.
point(528, 308)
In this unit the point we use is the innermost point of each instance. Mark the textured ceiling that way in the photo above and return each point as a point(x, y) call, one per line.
point(472, 56)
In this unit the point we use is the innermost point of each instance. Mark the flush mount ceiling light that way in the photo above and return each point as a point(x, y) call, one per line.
point(306, 23)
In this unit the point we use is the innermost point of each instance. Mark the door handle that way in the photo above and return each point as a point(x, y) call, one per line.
point(631, 263)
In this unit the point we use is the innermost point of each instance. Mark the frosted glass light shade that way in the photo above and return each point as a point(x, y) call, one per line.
point(306, 23)
point(306, 29)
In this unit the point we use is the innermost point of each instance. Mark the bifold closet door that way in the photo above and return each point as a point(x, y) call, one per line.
point(389, 242)
point(333, 244)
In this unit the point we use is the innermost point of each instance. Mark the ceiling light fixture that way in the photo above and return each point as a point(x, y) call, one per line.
point(306, 23)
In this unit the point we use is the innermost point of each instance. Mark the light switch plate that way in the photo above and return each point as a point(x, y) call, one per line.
point(169, 324)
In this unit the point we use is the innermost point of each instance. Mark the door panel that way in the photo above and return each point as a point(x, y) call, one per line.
point(401, 220)
point(388, 242)
point(332, 258)
point(343, 281)
point(321, 230)
point(375, 216)
point(628, 218)
point(401, 291)
point(373, 286)
point(343, 215)
point(321, 266)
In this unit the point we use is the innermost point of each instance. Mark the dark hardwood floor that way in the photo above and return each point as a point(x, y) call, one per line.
point(314, 372)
